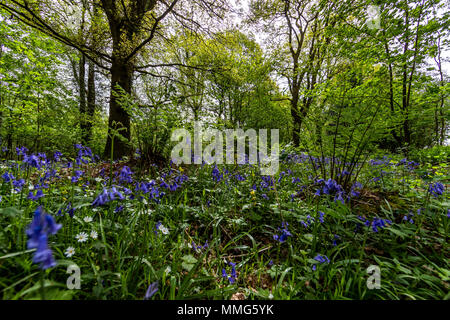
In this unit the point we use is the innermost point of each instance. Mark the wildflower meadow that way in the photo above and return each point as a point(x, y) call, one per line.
point(213, 232)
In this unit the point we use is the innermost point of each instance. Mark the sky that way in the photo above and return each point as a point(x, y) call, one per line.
point(259, 36)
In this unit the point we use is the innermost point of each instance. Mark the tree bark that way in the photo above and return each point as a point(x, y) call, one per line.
point(119, 119)
point(90, 101)
point(82, 88)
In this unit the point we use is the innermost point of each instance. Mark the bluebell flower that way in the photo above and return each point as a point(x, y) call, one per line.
point(336, 237)
point(322, 214)
point(217, 176)
point(321, 259)
point(76, 177)
point(22, 151)
point(125, 175)
point(32, 161)
point(331, 186)
point(7, 176)
point(142, 187)
point(57, 156)
point(233, 276)
point(233, 270)
point(436, 189)
point(84, 154)
point(173, 187)
point(38, 231)
point(43, 255)
point(114, 194)
point(70, 210)
point(409, 218)
point(164, 184)
point(101, 199)
point(376, 224)
point(199, 248)
point(338, 197)
point(303, 223)
point(296, 180)
point(39, 194)
point(284, 233)
point(152, 289)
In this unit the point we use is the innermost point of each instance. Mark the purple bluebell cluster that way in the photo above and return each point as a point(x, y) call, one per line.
point(376, 224)
point(436, 189)
point(84, 155)
point(57, 156)
point(321, 259)
point(18, 184)
point(21, 151)
point(175, 184)
point(107, 196)
point(233, 276)
point(149, 188)
point(266, 183)
point(410, 165)
point(239, 177)
point(284, 233)
point(70, 210)
point(409, 217)
point(35, 197)
point(330, 187)
point(38, 231)
point(7, 177)
point(216, 174)
point(126, 175)
point(32, 161)
point(77, 175)
point(199, 248)
point(310, 220)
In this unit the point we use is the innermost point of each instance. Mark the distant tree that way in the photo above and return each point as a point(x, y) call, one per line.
point(126, 27)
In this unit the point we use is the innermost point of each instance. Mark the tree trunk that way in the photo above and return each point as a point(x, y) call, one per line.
point(297, 121)
point(90, 101)
point(82, 87)
point(119, 119)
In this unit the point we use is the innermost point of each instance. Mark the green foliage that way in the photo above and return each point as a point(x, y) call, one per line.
point(185, 238)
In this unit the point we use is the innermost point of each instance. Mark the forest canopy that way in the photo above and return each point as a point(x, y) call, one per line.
point(128, 72)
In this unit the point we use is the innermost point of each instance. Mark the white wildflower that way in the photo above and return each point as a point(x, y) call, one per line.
point(168, 269)
point(94, 235)
point(87, 219)
point(82, 237)
point(70, 251)
point(163, 229)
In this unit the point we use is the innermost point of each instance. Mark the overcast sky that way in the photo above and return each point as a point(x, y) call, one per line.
point(244, 4)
